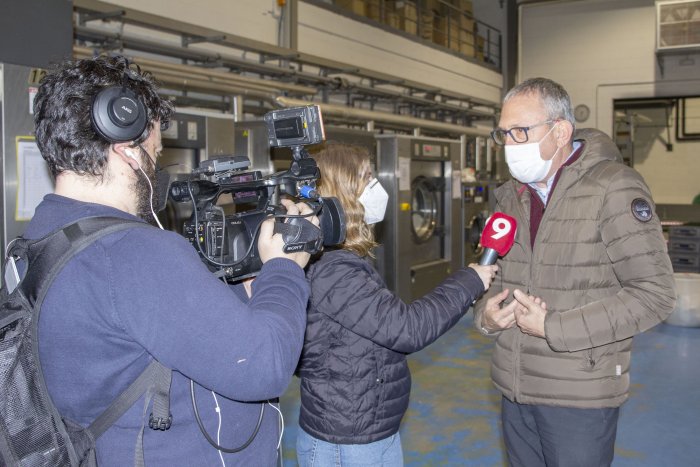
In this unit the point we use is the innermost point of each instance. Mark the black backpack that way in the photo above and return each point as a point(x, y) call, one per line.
point(32, 432)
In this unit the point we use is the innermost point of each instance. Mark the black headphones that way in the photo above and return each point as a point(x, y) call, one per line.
point(118, 115)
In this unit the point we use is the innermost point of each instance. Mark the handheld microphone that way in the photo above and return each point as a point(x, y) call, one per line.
point(498, 237)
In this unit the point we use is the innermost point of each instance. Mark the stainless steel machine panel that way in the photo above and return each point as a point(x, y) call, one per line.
point(421, 234)
point(191, 139)
point(426, 276)
point(15, 120)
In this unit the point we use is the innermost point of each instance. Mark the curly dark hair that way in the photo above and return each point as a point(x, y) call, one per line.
point(64, 131)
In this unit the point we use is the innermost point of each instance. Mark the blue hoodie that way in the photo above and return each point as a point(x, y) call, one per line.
point(140, 294)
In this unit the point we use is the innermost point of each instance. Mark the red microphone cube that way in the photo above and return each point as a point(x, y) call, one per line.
point(499, 233)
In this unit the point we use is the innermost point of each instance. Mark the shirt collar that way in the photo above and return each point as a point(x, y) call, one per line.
point(543, 192)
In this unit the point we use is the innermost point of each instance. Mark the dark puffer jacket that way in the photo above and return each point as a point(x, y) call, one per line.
point(355, 381)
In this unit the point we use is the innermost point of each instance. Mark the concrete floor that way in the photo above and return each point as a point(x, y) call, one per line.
point(453, 417)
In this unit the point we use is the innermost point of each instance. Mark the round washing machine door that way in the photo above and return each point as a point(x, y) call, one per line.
point(424, 209)
point(472, 237)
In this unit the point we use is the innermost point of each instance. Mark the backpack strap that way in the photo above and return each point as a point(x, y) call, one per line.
point(154, 381)
point(64, 244)
point(47, 256)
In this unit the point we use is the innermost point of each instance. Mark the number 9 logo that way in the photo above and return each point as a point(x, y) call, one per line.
point(502, 227)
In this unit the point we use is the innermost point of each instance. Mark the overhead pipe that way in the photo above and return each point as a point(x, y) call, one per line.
point(178, 81)
point(185, 53)
point(176, 77)
point(214, 75)
point(164, 48)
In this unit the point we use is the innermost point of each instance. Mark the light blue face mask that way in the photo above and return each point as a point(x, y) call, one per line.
point(374, 199)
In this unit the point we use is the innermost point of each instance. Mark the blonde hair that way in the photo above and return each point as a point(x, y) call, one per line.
point(342, 176)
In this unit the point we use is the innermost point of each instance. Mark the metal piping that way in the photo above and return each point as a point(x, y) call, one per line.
point(362, 115)
point(214, 75)
point(164, 48)
point(183, 82)
point(177, 77)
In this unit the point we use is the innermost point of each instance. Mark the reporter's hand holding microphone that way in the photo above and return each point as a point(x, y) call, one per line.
point(497, 239)
point(486, 273)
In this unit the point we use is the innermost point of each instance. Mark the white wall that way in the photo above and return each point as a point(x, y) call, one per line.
point(254, 19)
point(652, 158)
point(601, 50)
point(329, 35)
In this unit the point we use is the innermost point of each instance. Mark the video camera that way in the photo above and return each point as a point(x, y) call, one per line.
point(227, 243)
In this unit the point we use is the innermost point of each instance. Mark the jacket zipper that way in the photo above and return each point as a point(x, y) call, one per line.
point(516, 344)
point(516, 385)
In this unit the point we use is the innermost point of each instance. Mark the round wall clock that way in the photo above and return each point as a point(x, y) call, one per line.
point(581, 113)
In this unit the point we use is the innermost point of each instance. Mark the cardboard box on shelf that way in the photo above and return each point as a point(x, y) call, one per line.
point(466, 23)
point(452, 7)
point(408, 16)
point(446, 32)
point(434, 6)
point(467, 48)
point(466, 37)
point(391, 18)
point(373, 9)
point(426, 25)
point(354, 6)
point(465, 5)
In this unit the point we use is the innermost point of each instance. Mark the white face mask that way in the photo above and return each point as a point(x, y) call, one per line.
point(374, 199)
point(525, 162)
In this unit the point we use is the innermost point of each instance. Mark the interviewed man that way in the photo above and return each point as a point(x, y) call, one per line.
point(588, 271)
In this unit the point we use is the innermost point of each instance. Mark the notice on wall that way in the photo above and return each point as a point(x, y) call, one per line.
point(33, 178)
point(456, 184)
point(404, 174)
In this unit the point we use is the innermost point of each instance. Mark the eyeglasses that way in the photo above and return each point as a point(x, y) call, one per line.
point(517, 133)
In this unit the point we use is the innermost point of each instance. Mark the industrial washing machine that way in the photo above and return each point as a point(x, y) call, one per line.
point(421, 235)
point(487, 164)
point(191, 138)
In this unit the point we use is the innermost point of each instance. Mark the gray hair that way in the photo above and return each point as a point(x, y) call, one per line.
point(556, 100)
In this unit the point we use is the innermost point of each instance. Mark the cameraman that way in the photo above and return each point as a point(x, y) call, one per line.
point(143, 293)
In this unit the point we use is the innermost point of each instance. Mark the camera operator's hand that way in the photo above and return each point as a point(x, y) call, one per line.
point(270, 245)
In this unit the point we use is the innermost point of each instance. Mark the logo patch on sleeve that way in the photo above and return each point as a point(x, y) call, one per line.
point(641, 210)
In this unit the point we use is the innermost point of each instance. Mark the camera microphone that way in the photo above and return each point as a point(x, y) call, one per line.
point(222, 164)
point(498, 237)
point(181, 191)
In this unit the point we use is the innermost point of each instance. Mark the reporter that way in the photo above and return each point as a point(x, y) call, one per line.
point(355, 381)
point(143, 293)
